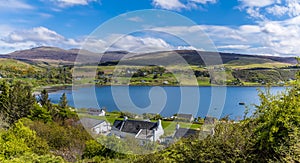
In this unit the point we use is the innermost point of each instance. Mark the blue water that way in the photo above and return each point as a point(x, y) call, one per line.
point(199, 101)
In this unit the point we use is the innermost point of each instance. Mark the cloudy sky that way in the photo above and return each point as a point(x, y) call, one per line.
point(266, 27)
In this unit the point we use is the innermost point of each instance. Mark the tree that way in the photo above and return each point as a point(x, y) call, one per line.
point(16, 101)
point(44, 99)
point(4, 100)
point(63, 103)
point(61, 112)
point(40, 113)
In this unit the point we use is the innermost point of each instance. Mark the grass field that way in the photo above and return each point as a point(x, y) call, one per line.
point(170, 126)
point(110, 117)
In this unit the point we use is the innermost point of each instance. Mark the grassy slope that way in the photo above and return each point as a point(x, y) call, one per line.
point(246, 63)
point(15, 64)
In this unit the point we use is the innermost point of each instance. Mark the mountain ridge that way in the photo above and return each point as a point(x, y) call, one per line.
point(56, 55)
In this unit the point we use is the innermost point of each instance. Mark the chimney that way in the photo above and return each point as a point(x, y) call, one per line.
point(177, 126)
point(159, 123)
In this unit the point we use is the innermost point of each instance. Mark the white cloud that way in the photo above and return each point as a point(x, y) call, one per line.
point(14, 4)
point(266, 38)
point(256, 3)
point(42, 36)
point(138, 44)
point(250, 29)
point(187, 48)
point(278, 21)
point(68, 3)
point(45, 15)
point(178, 5)
point(169, 4)
point(5, 29)
point(294, 7)
point(277, 10)
point(204, 1)
point(135, 19)
point(264, 10)
point(38, 36)
point(234, 47)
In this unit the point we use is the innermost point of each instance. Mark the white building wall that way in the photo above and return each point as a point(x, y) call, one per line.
point(159, 131)
point(103, 127)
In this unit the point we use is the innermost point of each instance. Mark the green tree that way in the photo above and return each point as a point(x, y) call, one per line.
point(44, 99)
point(16, 101)
point(4, 100)
point(63, 103)
point(40, 113)
point(63, 111)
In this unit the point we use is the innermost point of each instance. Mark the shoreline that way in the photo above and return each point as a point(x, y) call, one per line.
point(51, 88)
point(55, 88)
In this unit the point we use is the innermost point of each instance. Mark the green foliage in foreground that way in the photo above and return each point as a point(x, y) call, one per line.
point(21, 144)
point(277, 121)
point(37, 132)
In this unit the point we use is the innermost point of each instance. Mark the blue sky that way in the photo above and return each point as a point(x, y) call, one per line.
point(269, 27)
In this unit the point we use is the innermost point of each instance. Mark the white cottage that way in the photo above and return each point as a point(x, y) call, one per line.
point(185, 117)
point(96, 126)
point(96, 112)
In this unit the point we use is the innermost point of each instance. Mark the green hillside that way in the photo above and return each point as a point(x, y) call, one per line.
point(13, 68)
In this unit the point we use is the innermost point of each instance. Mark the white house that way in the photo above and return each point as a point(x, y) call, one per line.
point(185, 117)
point(96, 112)
point(96, 126)
point(142, 130)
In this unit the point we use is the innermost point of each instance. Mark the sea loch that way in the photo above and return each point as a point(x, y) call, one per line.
point(233, 99)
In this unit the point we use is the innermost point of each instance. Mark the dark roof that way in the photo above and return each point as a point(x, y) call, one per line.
point(145, 134)
point(184, 133)
point(118, 124)
point(134, 126)
point(90, 122)
point(185, 116)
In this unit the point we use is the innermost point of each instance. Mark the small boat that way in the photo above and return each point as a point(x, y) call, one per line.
point(241, 103)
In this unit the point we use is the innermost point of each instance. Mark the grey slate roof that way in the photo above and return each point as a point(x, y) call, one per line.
point(134, 126)
point(117, 124)
point(90, 122)
point(145, 134)
point(184, 133)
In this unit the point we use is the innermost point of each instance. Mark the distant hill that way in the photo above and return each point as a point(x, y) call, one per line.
point(46, 55)
point(53, 55)
point(206, 58)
